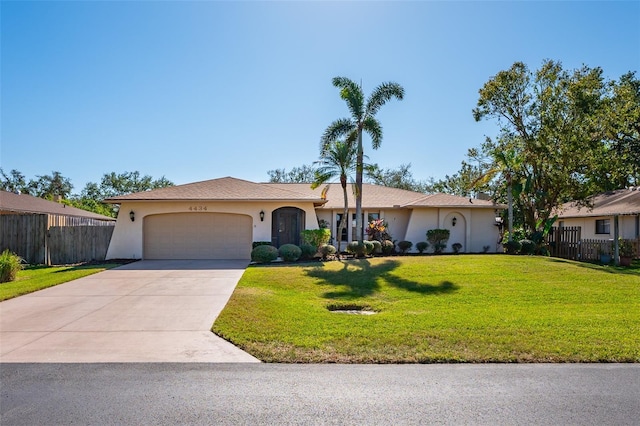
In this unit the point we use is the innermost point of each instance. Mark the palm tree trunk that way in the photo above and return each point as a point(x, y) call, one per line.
point(345, 214)
point(359, 169)
point(510, 206)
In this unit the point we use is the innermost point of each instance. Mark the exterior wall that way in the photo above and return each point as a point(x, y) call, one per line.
point(474, 228)
point(628, 227)
point(397, 219)
point(484, 232)
point(127, 239)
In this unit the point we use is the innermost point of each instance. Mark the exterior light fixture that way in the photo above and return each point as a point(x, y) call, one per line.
point(261, 215)
point(499, 223)
point(454, 220)
point(132, 216)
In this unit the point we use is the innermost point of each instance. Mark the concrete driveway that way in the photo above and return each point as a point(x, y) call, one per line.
point(147, 311)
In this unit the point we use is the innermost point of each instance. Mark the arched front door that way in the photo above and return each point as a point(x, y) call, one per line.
point(287, 224)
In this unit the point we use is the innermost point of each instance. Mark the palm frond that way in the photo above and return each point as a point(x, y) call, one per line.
point(339, 128)
point(381, 95)
point(374, 129)
point(352, 93)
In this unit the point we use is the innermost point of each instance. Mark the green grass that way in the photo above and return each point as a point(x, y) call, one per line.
point(34, 278)
point(470, 308)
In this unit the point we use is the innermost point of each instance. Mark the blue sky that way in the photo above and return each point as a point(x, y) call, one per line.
point(196, 90)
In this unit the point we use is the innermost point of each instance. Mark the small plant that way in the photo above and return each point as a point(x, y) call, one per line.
point(527, 247)
point(388, 247)
point(512, 247)
point(327, 251)
point(377, 247)
point(10, 264)
point(377, 230)
point(264, 254)
point(405, 246)
point(626, 248)
point(316, 237)
point(308, 251)
point(422, 246)
point(289, 252)
point(456, 247)
point(485, 249)
point(368, 247)
point(356, 248)
point(438, 239)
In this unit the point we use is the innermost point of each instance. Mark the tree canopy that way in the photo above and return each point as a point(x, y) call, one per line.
point(570, 134)
point(92, 196)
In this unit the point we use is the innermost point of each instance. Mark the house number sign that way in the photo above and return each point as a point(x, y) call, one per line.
point(198, 208)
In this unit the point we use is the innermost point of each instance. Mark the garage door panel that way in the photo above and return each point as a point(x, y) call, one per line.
point(197, 236)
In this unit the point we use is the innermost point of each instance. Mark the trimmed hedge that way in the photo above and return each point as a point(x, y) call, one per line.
point(405, 246)
point(290, 252)
point(264, 254)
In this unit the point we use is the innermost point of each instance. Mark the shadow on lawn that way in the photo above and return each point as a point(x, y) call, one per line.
point(365, 279)
point(634, 269)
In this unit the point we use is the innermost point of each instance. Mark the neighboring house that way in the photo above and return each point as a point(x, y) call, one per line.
point(47, 232)
point(220, 218)
point(58, 214)
point(597, 221)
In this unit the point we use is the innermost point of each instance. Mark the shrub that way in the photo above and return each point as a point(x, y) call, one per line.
point(308, 251)
point(260, 243)
point(264, 254)
point(527, 246)
point(438, 239)
point(512, 247)
point(388, 247)
point(316, 237)
point(456, 247)
point(377, 246)
point(422, 246)
point(10, 264)
point(356, 248)
point(405, 246)
point(368, 247)
point(377, 230)
point(327, 251)
point(289, 252)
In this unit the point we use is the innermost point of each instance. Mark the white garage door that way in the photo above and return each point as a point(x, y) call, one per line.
point(197, 236)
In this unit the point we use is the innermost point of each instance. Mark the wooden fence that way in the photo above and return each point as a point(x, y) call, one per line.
point(566, 243)
point(30, 237)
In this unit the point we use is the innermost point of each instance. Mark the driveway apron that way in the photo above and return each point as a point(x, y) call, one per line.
point(146, 311)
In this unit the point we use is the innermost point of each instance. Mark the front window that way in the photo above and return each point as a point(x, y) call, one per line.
point(602, 226)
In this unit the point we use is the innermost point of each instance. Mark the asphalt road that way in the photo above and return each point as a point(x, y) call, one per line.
point(278, 394)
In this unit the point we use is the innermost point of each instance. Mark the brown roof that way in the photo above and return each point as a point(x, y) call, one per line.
point(375, 196)
point(23, 203)
point(620, 202)
point(448, 200)
point(222, 189)
point(232, 189)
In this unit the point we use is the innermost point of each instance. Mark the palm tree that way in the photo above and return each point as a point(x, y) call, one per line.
point(506, 163)
point(362, 120)
point(338, 159)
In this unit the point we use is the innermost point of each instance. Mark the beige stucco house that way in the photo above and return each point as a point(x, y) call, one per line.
point(597, 221)
point(220, 218)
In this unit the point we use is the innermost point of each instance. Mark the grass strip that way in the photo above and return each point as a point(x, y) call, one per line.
point(429, 309)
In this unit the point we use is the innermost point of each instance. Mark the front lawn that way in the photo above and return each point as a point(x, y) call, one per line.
point(34, 278)
point(468, 308)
